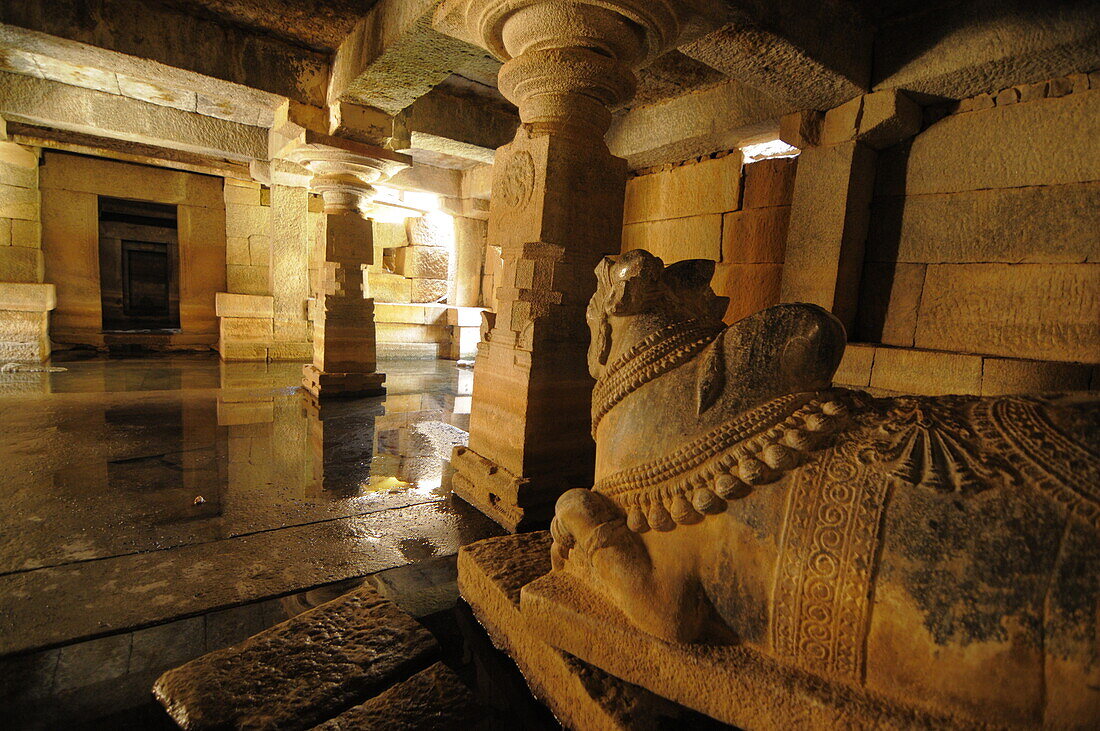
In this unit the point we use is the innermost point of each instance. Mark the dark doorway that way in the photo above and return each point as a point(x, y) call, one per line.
point(138, 266)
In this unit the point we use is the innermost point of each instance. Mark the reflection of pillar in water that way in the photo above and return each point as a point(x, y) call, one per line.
point(246, 410)
point(341, 443)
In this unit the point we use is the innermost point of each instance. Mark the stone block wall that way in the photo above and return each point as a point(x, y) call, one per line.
point(247, 242)
point(715, 208)
point(428, 259)
point(981, 269)
point(427, 330)
point(246, 326)
point(20, 227)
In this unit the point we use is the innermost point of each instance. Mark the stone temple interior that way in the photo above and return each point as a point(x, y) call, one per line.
point(597, 364)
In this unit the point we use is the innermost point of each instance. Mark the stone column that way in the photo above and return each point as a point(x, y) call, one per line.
point(288, 273)
point(343, 329)
point(556, 209)
point(470, 236)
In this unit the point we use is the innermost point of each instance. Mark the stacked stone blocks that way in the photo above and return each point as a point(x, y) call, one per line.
point(344, 332)
point(247, 242)
point(20, 227)
point(24, 321)
point(715, 208)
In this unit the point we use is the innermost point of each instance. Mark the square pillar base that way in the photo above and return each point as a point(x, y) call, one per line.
point(516, 503)
point(341, 385)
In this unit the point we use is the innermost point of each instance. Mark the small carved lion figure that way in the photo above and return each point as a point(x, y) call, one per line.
point(938, 550)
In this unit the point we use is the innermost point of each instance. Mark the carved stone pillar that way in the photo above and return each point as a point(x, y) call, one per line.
point(343, 330)
point(556, 209)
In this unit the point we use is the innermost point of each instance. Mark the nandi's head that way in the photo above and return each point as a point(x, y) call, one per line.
point(637, 284)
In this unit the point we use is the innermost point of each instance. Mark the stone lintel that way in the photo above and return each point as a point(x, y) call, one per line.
point(878, 120)
point(62, 106)
point(127, 151)
point(24, 297)
point(721, 117)
point(801, 129)
point(290, 138)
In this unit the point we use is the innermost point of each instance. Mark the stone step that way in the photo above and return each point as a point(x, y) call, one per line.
point(432, 699)
point(304, 671)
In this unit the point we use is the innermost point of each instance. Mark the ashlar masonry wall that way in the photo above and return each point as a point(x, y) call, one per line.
point(715, 208)
point(982, 265)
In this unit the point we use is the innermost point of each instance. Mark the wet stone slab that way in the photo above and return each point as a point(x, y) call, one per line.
point(432, 699)
point(304, 671)
point(49, 607)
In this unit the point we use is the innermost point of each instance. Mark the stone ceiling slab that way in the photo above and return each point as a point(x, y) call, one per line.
point(720, 117)
point(394, 56)
point(320, 26)
point(148, 32)
point(460, 126)
point(671, 75)
point(812, 54)
point(986, 45)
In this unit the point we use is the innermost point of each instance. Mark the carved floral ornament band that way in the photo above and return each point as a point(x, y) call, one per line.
point(956, 446)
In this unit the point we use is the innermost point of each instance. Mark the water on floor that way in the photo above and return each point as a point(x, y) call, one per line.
point(158, 508)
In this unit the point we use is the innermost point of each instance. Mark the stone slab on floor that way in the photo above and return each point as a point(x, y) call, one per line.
point(490, 576)
point(432, 699)
point(733, 684)
point(300, 672)
point(62, 604)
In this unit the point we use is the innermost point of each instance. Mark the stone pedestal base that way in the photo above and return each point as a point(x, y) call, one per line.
point(25, 321)
point(490, 575)
point(341, 385)
point(734, 684)
point(515, 503)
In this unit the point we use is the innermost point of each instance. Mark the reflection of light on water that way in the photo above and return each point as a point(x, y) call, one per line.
point(387, 483)
point(431, 483)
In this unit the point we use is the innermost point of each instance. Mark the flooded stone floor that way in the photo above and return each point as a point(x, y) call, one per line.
point(158, 508)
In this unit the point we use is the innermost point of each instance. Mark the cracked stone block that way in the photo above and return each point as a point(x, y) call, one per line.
point(301, 672)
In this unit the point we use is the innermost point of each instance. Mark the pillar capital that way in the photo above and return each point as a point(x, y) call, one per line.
point(344, 172)
point(566, 63)
point(631, 31)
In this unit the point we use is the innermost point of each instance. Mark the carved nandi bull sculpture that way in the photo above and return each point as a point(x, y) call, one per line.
point(941, 548)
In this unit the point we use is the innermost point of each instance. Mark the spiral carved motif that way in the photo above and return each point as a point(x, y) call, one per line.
point(822, 588)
